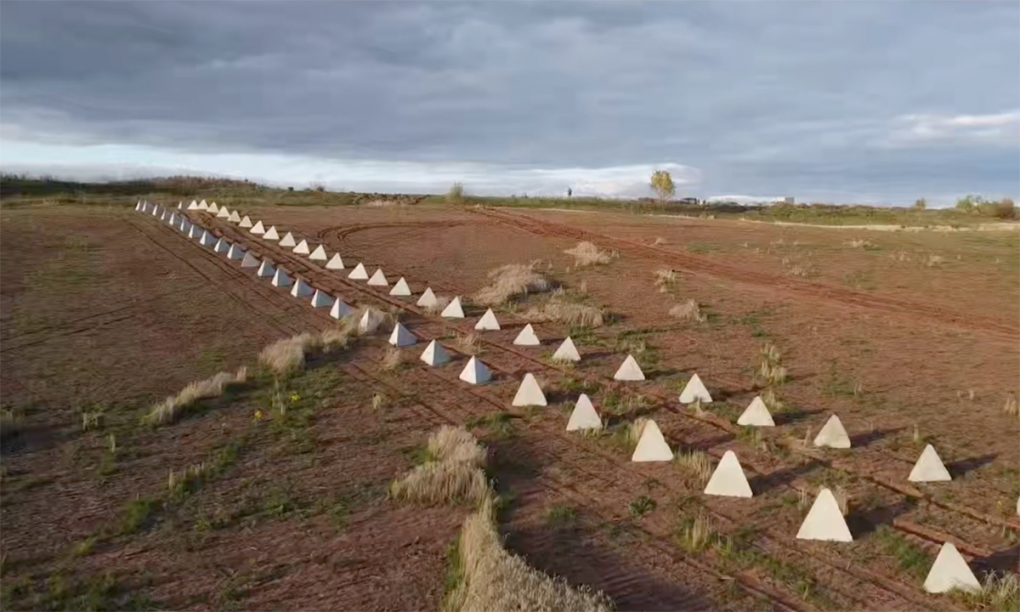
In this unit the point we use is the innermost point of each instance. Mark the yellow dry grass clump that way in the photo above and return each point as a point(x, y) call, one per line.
point(288, 355)
point(664, 279)
point(696, 464)
point(558, 308)
point(509, 282)
point(587, 254)
point(392, 359)
point(442, 302)
point(454, 475)
point(170, 409)
point(688, 311)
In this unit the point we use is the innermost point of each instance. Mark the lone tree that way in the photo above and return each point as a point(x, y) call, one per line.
point(662, 184)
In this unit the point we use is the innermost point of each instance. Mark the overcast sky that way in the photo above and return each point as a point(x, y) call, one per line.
point(879, 102)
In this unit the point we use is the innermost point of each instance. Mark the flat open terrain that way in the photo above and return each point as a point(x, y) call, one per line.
point(910, 337)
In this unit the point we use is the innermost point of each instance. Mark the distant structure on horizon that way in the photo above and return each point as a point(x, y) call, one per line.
point(788, 200)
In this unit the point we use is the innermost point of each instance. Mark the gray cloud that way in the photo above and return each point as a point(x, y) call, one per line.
point(762, 97)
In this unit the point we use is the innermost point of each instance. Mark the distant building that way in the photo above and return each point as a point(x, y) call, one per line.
point(788, 200)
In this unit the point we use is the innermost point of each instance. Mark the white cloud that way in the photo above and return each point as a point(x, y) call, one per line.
point(1002, 128)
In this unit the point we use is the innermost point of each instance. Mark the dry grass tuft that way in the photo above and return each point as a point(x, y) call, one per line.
point(697, 535)
point(392, 360)
point(934, 260)
point(509, 282)
point(587, 254)
point(688, 311)
point(1011, 408)
point(659, 240)
point(469, 343)
point(860, 243)
point(441, 303)
point(454, 475)
point(170, 409)
point(456, 444)
point(181, 481)
point(10, 424)
point(634, 431)
point(571, 313)
point(288, 355)
point(772, 373)
point(696, 464)
point(841, 499)
point(664, 279)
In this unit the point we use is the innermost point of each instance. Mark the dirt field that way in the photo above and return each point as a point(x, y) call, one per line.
point(909, 337)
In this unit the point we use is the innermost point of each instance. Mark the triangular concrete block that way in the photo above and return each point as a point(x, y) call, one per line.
point(271, 234)
point(213, 208)
point(336, 263)
point(250, 261)
point(266, 269)
point(195, 232)
point(281, 278)
point(301, 248)
point(319, 254)
point(950, 571)
point(186, 227)
point(584, 415)
point(567, 351)
point(529, 393)
point(193, 205)
point(488, 322)
point(833, 434)
point(358, 273)
point(224, 213)
point(453, 310)
point(378, 279)
point(652, 445)
point(825, 521)
point(370, 321)
point(695, 391)
point(301, 289)
point(435, 354)
point(258, 229)
point(156, 211)
point(203, 206)
point(340, 309)
point(629, 370)
point(321, 299)
point(401, 288)
point(245, 222)
point(222, 246)
point(527, 337)
point(163, 216)
point(728, 479)
point(173, 220)
point(138, 206)
point(475, 372)
point(401, 336)
point(929, 467)
point(288, 240)
point(236, 252)
point(180, 205)
point(427, 299)
point(756, 414)
point(234, 217)
point(207, 239)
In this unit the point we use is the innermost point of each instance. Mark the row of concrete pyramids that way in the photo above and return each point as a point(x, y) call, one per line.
point(824, 521)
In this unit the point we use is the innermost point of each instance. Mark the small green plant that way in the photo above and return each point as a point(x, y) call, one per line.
point(137, 514)
point(86, 546)
point(561, 514)
point(641, 506)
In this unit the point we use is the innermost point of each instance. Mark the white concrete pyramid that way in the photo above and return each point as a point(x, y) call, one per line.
point(378, 279)
point(193, 205)
point(245, 222)
point(156, 210)
point(652, 446)
point(302, 247)
point(340, 309)
point(695, 391)
point(180, 205)
point(138, 206)
point(173, 220)
point(529, 393)
point(250, 261)
point(567, 351)
point(488, 322)
point(195, 232)
point(301, 289)
point(234, 217)
point(950, 571)
point(453, 310)
point(179, 226)
point(281, 278)
point(833, 435)
point(629, 370)
point(728, 479)
point(271, 234)
point(929, 467)
point(207, 239)
point(266, 269)
point(756, 414)
point(319, 254)
point(236, 252)
point(370, 321)
point(427, 299)
point(435, 354)
point(288, 240)
point(358, 273)
point(400, 288)
point(203, 206)
point(401, 336)
point(584, 415)
point(213, 208)
point(321, 299)
point(527, 337)
point(163, 215)
point(336, 263)
point(825, 521)
point(258, 229)
point(475, 372)
point(186, 227)
point(222, 246)
point(224, 213)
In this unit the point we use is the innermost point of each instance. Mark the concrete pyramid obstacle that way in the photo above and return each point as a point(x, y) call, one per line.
point(236, 252)
point(370, 321)
point(271, 234)
point(156, 210)
point(529, 393)
point(281, 278)
point(207, 239)
point(180, 205)
point(427, 299)
point(757, 414)
point(453, 310)
point(950, 571)
point(172, 220)
point(567, 351)
point(213, 208)
point(321, 299)
point(222, 246)
point(163, 216)
point(584, 415)
point(302, 248)
point(319, 254)
point(695, 391)
point(629, 370)
point(401, 336)
point(266, 269)
point(250, 260)
point(728, 480)
point(340, 309)
point(234, 217)
point(258, 229)
point(651, 446)
point(833, 435)
point(195, 232)
point(435, 354)
point(193, 205)
point(186, 227)
point(400, 288)
point(301, 289)
point(138, 206)
point(358, 273)
point(203, 206)
point(475, 372)
point(246, 222)
point(378, 279)
point(224, 213)
point(288, 240)
point(488, 322)
point(929, 467)
point(527, 337)
point(336, 263)
point(825, 521)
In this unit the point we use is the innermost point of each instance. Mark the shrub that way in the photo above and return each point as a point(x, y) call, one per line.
point(662, 184)
point(453, 475)
point(687, 311)
point(509, 282)
point(170, 409)
point(456, 194)
point(571, 313)
point(587, 254)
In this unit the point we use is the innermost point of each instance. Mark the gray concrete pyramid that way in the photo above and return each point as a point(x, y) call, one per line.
point(282, 279)
point(250, 260)
point(401, 336)
point(584, 415)
point(222, 246)
point(301, 289)
point(236, 252)
point(321, 299)
point(266, 269)
point(340, 309)
point(475, 372)
point(435, 354)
